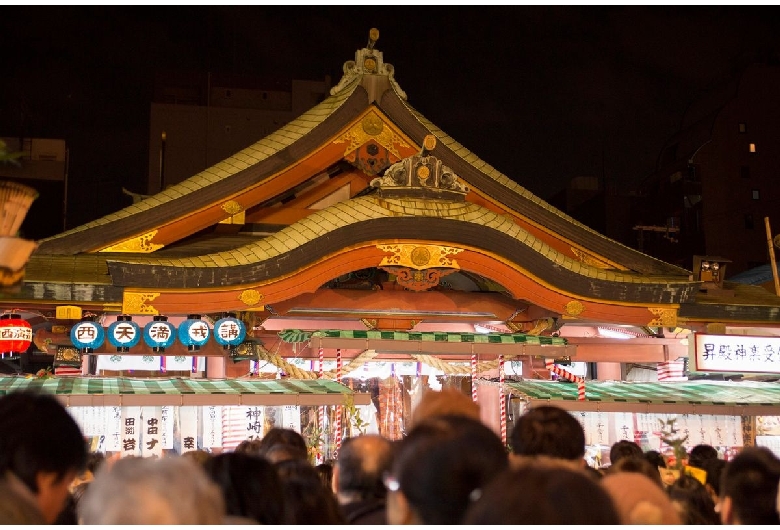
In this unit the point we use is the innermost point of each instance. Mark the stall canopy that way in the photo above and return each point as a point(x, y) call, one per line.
point(701, 397)
point(100, 391)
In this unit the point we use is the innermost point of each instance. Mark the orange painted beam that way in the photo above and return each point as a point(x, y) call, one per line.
point(521, 286)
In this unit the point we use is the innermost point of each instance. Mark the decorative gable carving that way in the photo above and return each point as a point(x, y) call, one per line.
point(421, 175)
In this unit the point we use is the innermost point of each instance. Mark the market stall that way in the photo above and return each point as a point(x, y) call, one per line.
point(725, 414)
point(147, 417)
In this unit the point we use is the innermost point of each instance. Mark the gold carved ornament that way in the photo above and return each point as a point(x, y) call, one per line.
point(420, 256)
point(137, 303)
point(141, 244)
point(371, 127)
point(664, 317)
point(250, 297)
point(574, 308)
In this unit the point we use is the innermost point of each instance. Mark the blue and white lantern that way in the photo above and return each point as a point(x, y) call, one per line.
point(229, 331)
point(124, 333)
point(87, 335)
point(194, 332)
point(159, 334)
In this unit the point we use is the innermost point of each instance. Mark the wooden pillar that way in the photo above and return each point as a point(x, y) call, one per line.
point(215, 367)
point(609, 372)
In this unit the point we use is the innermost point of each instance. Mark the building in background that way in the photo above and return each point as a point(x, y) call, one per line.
point(199, 119)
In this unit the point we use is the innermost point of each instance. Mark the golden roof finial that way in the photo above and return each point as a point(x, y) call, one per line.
point(373, 36)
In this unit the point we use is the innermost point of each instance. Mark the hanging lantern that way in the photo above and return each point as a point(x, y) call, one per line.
point(15, 334)
point(124, 333)
point(87, 335)
point(229, 331)
point(159, 334)
point(193, 332)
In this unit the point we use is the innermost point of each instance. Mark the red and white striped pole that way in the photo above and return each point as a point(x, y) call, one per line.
point(474, 377)
point(339, 408)
point(552, 367)
point(321, 415)
point(502, 397)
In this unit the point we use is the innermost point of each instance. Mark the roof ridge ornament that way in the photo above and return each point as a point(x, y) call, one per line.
point(422, 175)
point(368, 62)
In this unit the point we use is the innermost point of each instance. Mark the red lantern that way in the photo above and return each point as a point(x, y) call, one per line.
point(15, 334)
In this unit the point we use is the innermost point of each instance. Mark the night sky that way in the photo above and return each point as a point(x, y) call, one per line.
point(542, 93)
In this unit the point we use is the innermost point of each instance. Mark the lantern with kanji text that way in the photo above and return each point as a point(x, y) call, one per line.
point(194, 332)
point(159, 334)
point(229, 331)
point(87, 335)
point(124, 333)
point(15, 334)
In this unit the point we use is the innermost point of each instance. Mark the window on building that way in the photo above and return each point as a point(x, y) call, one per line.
point(744, 172)
point(742, 128)
point(748, 221)
point(756, 195)
point(752, 148)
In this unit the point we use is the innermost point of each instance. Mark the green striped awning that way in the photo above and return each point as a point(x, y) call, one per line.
point(84, 391)
point(745, 398)
point(433, 341)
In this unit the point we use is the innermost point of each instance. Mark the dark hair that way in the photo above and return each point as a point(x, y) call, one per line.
point(538, 494)
point(623, 449)
point(362, 463)
point(750, 480)
point(279, 436)
point(695, 504)
point(37, 434)
point(655, 458)
point(714, 468)
point(306, 500)
point(700, 454)
point(637, 464)
point(442, 461)
point(250, 486)
point(325, 470)
point(550, 431)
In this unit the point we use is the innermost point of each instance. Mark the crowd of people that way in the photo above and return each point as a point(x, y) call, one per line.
point(450, 468)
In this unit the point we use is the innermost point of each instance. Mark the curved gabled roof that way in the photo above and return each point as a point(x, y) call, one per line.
point(371, 220)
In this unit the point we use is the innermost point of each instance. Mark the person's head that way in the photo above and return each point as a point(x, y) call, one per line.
point(700, 454)
point(250, 486)
point(362, 462)
point(437, 467)
point(692, 501)
point(714, 469)
point(281, 444)
point(639, 499)
point(446, 401)
point(549, 431)
point(41, 445)
point(325, 471)
point(655, 458)
point(534, 493)
point(624, 449)
point(152, 491)
point(199, 456)
point(748, 488)
point(306, 500)
point(636, 464)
